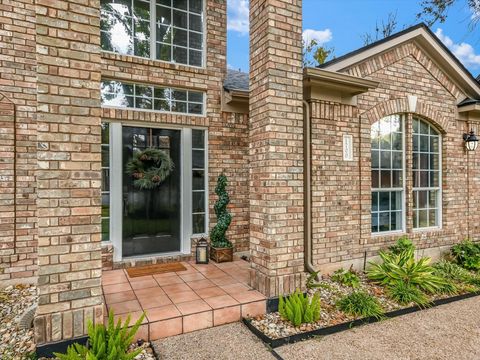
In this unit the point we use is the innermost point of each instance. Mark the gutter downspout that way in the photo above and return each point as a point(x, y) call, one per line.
point(307, 178)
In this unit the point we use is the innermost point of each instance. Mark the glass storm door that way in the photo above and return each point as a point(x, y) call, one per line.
point(151, 218)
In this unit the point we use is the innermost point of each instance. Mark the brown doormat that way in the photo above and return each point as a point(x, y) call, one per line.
point(155, 269)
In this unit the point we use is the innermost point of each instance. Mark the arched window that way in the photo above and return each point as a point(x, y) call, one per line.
point(388, 180)
point(426, 175)
point(389, 173)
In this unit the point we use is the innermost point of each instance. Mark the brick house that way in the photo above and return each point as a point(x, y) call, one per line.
point(326, 166)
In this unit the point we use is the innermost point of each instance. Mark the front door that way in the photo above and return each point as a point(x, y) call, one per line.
point(151, 217)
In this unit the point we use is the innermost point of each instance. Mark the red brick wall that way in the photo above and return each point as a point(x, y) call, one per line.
point(342, 190)
point(18, 233)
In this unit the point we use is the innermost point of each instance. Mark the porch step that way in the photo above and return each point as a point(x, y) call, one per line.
point(201, 297)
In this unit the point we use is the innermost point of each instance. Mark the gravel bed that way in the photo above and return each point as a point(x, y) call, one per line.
point(16, 343)
point(330, 292)
point(227, 342)
point(445, 332)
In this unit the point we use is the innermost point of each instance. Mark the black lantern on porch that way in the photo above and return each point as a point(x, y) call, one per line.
point(201, 251)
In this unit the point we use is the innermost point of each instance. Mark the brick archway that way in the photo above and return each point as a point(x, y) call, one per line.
point(401, 105)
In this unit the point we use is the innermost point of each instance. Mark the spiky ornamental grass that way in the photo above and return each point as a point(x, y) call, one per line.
point(360, 304)
point(457, 275)
point(404, 268)
point(106, 343)
point(405, 294)
point(299, 309)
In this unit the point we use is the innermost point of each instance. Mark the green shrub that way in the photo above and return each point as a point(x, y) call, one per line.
point(106, 343)
point(346, 277)
point(457, 274)
point(403, 268)
point(360, 304)
point(467, 255)
point(402, 244)
point(405, 294)
point(299, 309)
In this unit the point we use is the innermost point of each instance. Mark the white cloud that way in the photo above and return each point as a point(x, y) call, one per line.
point(463, 51)
point(320, 36)
point(237, 20)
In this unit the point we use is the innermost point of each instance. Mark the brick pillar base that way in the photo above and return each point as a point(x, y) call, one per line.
point(276, 145)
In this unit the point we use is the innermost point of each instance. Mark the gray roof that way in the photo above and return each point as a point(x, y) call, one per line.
point(236, 80)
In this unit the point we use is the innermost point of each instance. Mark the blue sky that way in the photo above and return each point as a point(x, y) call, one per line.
point(341, 23)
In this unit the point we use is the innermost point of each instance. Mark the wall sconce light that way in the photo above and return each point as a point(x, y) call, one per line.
point(471, 141)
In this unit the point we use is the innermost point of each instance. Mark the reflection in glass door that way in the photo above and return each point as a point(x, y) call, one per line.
point(151, 217)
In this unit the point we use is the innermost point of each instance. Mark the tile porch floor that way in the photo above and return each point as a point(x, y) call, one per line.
point(201, 297)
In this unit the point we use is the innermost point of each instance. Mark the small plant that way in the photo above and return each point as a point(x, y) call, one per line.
point(467, 255)
point(218, 234)
point(347, 278)
point(405, 294)
point(403, 267)
point(360, 304)
point(299, 309)
point(106, 343)
point(457, 275)
point(311, 282)
point(402, 244)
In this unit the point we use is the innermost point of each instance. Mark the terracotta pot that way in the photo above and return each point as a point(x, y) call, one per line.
point(220, 255)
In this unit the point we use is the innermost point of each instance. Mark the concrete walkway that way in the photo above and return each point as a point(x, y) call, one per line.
point(447, 332)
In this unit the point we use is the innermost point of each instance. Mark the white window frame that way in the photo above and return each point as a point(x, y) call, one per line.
point(116, 196)
point(439, 212)
point(153, 38)
point(404, 119)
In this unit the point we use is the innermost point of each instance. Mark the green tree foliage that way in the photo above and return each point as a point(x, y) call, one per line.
point(106, 343)
point(299, 309)
point(218, 236)
point(437, 11)
point(314, 54)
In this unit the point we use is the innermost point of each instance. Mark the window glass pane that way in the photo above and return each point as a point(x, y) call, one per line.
point(198, 179)
point(375, 179)
point(195, 41)
point(164, 52)
point(195, 109)
point(198, 139)
point(180, 19)
point(180, 55)
point(198, 201)
point(426, 174)
point(165, 2)
point(198, 223)
point(387, 135)
point(195, 58)
point(180, 4)
point(198, 159)
point(195, 6)
point(164, 16)
point(118, 94)
point(125, 29)
point(180, 37)
point(105, 229)
point(196, 23)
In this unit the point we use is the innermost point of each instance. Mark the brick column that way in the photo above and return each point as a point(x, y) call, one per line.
point(276, 145)
point(68, 178)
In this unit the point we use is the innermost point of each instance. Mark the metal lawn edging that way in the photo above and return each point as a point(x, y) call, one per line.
point(274, 343)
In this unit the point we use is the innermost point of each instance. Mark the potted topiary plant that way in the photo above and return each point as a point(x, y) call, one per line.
point(221, 248)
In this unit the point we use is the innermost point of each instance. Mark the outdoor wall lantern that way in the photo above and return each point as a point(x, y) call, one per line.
point(471, 141)
point(201, 251)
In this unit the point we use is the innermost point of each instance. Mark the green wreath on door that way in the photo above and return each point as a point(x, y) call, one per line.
point(149, 168)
